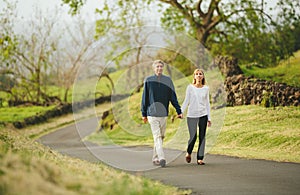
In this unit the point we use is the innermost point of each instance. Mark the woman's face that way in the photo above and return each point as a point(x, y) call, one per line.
point(198, 75)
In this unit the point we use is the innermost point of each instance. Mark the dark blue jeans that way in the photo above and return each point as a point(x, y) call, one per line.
point(192, 123)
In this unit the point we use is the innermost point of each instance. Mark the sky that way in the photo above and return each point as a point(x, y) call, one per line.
point(26, 7)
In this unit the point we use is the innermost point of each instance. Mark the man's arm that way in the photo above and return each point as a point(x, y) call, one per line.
point(144, 103)
point(174, 100)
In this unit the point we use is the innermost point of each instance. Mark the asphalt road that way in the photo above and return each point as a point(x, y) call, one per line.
point(221, 174)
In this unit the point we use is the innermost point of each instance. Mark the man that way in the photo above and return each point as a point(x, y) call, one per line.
point(158, 92)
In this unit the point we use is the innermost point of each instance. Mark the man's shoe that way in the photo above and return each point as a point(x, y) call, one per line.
point(200, 162)
point(162, 162)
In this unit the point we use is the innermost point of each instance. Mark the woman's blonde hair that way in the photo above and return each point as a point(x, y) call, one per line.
point(203, 80)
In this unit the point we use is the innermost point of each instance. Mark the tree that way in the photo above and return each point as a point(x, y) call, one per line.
point(288, 27)
point(242, 23)
point(253, 40)
point(27, 56)
point(74, 5)
point(75, 51)
point(8, 45)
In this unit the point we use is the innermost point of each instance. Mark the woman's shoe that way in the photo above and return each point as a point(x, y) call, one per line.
point(188, 158)
point(200, 162)
point(156, 162)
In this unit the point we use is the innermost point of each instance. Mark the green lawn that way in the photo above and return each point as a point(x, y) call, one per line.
point(13, 114)
point(286, 72)
point(245, 131)
point(263, 133)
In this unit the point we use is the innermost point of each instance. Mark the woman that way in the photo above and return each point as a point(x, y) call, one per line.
point(197, 102)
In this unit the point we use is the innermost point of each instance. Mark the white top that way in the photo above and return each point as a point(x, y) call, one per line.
point(197, 101)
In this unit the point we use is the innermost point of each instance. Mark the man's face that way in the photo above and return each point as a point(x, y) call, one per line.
point(158, 69)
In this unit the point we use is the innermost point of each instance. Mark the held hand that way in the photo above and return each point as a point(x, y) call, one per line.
point(180, 116)
point(208, 123)
point(145, 119)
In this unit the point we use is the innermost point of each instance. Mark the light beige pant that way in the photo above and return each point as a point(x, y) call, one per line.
point(158, 127)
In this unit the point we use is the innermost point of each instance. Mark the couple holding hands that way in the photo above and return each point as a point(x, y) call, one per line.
point(158, 92)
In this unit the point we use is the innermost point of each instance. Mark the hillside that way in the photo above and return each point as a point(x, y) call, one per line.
point(27, 167)
point(286, 72)
point(245, 131)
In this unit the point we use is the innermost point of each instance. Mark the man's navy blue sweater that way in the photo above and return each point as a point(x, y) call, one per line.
point(158, 92)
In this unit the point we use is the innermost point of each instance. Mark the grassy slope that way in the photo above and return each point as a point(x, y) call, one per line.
point(243, 131)
point(13, 114)
point(286, 72)
point(263, 133)
point(27, 167)
point(248, 131)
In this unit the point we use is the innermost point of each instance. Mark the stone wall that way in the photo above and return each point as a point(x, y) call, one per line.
point(242, 90)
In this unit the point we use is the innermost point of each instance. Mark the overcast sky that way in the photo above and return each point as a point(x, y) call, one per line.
point(26, 7)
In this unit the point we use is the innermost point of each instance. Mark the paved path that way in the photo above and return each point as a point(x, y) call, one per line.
point(220, 175)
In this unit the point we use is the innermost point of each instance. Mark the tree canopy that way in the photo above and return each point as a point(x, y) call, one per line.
point(250, 30)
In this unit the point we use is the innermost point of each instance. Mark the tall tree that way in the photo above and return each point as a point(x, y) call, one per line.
point(79, 56)
point(214, 22)
point(8, 45)
point(28, 58)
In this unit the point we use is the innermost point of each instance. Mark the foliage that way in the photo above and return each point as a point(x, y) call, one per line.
point(255, 38)
point(74, 5)
point(26, 57)
point(286, 72)
point(8, 45)
point(245, 29)
point(19, 113)
point(8, 39)
point(38, 65)
point(267, 100)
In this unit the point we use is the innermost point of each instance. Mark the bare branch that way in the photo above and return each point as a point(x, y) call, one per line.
point(249, 9)
point(198, 7)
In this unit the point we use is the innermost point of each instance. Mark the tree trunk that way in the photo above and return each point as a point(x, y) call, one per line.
point(66, 95)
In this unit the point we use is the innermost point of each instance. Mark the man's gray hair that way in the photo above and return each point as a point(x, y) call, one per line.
point(158, 62)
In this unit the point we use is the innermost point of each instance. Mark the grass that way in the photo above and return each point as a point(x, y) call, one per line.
point(286, 72)
point(261, 133)
point(12, 114)
point(131, 131)
point(244, 131)
point(27, 167)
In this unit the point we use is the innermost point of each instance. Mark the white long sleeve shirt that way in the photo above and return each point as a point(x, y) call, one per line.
point(197, 101)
